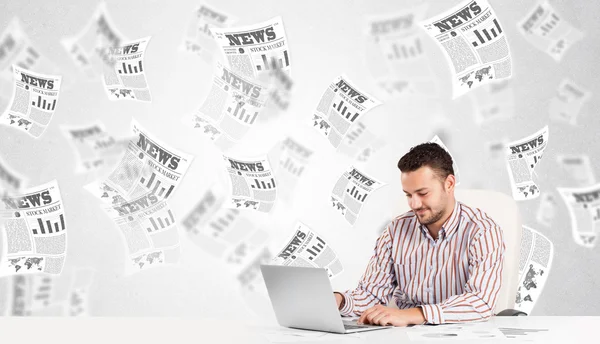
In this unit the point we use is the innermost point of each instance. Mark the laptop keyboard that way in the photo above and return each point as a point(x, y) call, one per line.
point(349, 325)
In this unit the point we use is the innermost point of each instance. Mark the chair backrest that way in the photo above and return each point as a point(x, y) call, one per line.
point(504, 211)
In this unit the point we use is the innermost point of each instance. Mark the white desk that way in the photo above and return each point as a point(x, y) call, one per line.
point(209, 331)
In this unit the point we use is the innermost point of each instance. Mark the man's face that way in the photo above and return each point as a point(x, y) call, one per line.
point(428, 196)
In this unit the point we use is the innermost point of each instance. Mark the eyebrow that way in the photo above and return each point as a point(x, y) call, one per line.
point(421, 189)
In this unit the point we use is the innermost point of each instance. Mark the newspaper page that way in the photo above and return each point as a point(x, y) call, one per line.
point(148, 166)
point(198, 38)
point(231, 107)
point(252, 184)
point(20, 296)
point(306, 248)
point(78, 298)
point(294, 158)
point(125, 76)
point(537, 253)
point(279, 83)
point(94, 147)
point(246, 250)
point(473, 42)
point(34, 231)
point(17, 49)
point(547, 210)
point(436, 139)
point(360, 143)
point(350, 193)
point(33, 101)
point(584, 209)
point(221, 232)
point(566, 106)
point(89, 48)
point(578, 167)
point(548, 31)
point(42, 286)
point(395, 42)
point(340, 106)
point(149, 228)
point(521, 158)
point(250, 278)
point(249, 49)
point(493, 102)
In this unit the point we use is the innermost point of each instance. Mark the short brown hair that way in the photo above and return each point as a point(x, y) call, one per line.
point(427, 154)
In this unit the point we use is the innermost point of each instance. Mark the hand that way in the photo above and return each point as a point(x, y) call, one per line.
point(382, 315)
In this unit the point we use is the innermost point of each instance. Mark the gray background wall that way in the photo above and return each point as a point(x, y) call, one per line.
point(326, 39)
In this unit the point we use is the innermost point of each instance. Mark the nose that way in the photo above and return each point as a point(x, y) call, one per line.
point(414, 202)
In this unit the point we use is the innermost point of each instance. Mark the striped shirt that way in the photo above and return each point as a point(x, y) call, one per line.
point(455, 278)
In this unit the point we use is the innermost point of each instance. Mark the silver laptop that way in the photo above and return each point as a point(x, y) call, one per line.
point(302, 298)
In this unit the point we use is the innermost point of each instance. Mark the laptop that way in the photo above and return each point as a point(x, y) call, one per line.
point(302, 298)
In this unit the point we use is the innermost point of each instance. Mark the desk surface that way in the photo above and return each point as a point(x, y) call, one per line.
point(531, 329)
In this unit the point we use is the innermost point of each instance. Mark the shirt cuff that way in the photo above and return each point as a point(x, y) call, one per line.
point(433, 314)
point(348, 305)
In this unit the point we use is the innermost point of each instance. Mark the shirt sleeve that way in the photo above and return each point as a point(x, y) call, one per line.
point(377, 283)
point(486, 259)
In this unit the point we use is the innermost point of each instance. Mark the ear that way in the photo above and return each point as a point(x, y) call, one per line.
point(450, 183)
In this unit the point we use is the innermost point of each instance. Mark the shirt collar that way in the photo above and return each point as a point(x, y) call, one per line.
point(450, 225)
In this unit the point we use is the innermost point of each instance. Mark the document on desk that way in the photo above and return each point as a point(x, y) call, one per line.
point(291, 335)
point(466, 331)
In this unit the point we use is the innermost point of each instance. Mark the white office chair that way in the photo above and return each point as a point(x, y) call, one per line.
point(503, 209)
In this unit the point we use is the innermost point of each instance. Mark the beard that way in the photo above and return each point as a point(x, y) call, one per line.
point(433, 218)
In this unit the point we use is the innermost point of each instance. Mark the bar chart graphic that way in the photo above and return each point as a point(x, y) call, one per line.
point(260, 184)
point(550, 24)
point(291, 167)
point(343, 111)
point(489, 35)
point(316, 249)
point(223, 222)
point(128, 68)
point(354, 193)
point(405, 50)
point(161, 223)
point(273, 62)
point(41, 103)
point(157, 190)
point(49, 227)
point(239, 112)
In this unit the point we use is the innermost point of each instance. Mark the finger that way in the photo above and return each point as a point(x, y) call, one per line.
point(374, 314)
point(365, 313)
point(379, 319)
point(384, 320)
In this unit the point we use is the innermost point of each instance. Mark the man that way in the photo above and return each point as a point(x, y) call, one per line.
point(441, 262)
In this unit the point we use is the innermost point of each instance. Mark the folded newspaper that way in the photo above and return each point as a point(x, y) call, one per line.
point(566, 106)
point(537, 253)
point(474, 43)
point(231, 107)
point(548, 31)
point(89, 48)
point(34, 231)
point(148, 166)
point(33, 101)
point(579, 168)
point(584, 209)
point(198, 38)
point(306, 248)
point(521, 158)
point(250, 49)
point(94, 147)
point(350, 193)
point(125, 75)
point(252, 184)
point(340, 106)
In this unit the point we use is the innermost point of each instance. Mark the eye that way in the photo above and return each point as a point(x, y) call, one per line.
point(423, 194)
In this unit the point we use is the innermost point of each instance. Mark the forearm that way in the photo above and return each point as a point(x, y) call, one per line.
point(456, 309)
